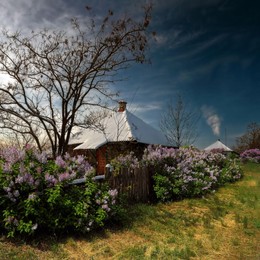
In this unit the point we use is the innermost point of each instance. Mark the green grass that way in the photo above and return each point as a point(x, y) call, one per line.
point(223, 225)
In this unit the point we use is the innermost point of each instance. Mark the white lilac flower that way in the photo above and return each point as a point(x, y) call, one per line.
point(35, 226)
point(32, 196)
point(16, 193)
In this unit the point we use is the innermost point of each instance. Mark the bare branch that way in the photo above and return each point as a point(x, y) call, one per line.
point(179, 124)
point(57, 79)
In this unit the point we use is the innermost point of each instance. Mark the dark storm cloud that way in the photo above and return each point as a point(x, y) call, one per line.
point(205, 50)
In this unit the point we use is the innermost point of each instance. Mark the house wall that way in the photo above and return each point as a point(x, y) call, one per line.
point(101, 154)
point(104, 154)
point(109, 151)
point(90, 155)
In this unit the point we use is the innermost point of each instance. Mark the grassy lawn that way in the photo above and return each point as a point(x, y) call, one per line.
point(224, 225)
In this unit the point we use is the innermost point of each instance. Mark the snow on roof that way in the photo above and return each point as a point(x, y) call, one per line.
point(118, 126)
point(217, 145)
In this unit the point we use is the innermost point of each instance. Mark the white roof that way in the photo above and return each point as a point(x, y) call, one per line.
point(217, 145)
point(118, 126)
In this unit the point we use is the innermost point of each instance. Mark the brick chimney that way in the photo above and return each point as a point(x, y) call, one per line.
point(122, 106)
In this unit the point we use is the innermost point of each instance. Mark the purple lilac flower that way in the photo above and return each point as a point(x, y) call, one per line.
point(129, 160)
point(16, 193)
point(12, 220)
point(7, 189)
point(9, 219)
point(29, 179)
point(7, 167)
point(11, 197)
point(60, 162)
point(154, 154)
point(41, 157)
point(105, 207)
point(113, 193)
point(19, 179)
point(22, 168)
point(32, 196)
point(31, 164)
point(64, 177)
point(67, 156)
point(73, 175)
point(25, 178)
point(84, 168)
point(212, 176)
point(80, 159)
point(27, 147)
point(12, 155)
point(251, 155)
point(207, 187)
point(50, 179)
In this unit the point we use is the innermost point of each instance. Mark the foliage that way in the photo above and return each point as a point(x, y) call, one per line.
point(186, 172)
point(36, 194)
point(190, 173)
point(58, 79)
point(222, 225)
point(249, 140)
point(252, 155)
point(127, 161)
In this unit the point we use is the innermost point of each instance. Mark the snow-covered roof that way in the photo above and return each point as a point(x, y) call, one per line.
point(118, 126)
point(217, 145)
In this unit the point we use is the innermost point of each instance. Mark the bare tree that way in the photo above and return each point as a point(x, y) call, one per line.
point(57, 78)
point(249, 140)
point(179, 124)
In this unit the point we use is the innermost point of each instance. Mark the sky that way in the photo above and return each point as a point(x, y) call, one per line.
point(206, 51)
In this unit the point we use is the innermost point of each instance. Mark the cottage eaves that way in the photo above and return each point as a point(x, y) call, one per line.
point(118, 127)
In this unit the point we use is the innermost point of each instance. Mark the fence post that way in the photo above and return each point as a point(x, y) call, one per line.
point(108, 171)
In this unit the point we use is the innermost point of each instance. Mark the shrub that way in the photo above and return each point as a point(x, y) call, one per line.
point(191, 173)
point(252, 155)
point(187, 172)
point(128, 161)
point(37, 194)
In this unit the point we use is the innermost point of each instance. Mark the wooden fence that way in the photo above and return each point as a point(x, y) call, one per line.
point(135, 184)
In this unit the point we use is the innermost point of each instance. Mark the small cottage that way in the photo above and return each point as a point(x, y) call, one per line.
point(122, 133)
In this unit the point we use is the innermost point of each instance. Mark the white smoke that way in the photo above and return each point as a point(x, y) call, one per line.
point(213, 120)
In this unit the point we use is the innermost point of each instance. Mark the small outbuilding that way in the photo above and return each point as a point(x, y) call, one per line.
point(218, 145)
point(122, 133)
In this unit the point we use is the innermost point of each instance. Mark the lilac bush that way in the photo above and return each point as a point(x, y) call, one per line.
point(186, 172)
point(129, 161)
point(193, 173)
point(252, 155)
point(37, 194)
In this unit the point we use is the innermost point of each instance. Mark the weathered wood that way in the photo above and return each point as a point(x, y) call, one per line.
point(135, 184)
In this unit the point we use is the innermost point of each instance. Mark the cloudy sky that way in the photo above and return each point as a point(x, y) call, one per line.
point(206, 51)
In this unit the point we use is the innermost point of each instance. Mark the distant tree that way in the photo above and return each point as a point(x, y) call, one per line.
point(250, 140)
point(57, 78)
point(179, 124)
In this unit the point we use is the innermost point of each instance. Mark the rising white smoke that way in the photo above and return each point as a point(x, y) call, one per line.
point(213, 120)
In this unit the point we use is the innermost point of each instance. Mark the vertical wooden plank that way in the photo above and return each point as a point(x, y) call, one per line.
point(135, 183)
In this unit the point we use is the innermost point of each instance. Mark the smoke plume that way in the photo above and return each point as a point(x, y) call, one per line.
point(213, 120)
